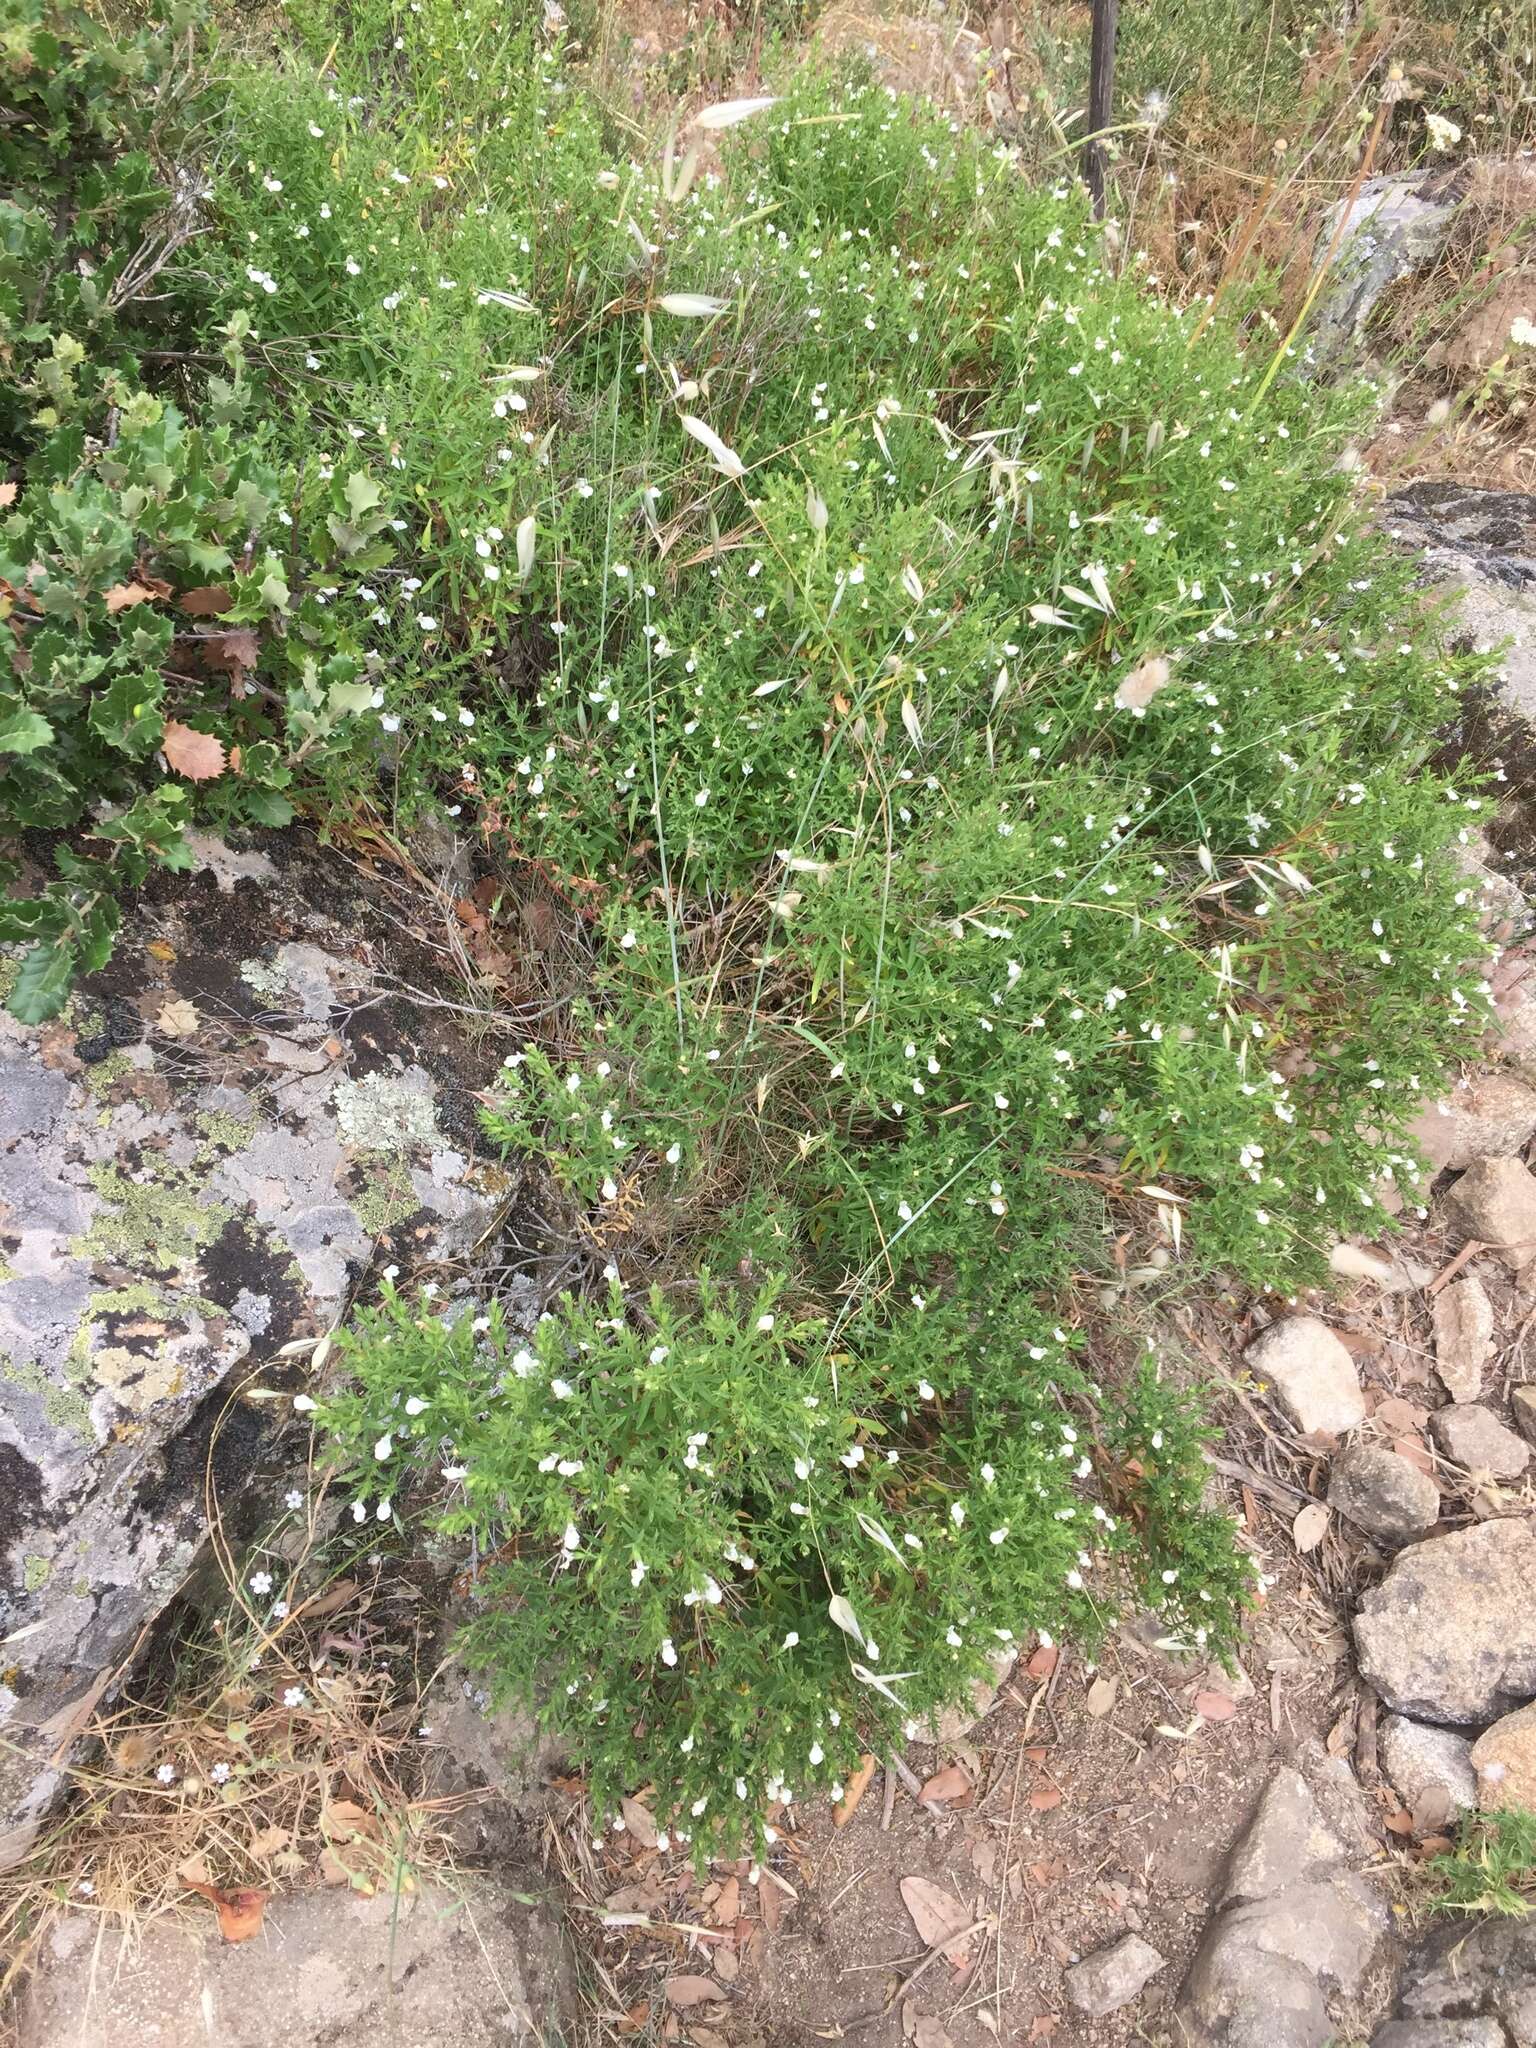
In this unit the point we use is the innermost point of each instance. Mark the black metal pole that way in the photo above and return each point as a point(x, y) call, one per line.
point(1101, 96)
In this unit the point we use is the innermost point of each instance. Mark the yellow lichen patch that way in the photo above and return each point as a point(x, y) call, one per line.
point(137, 1381)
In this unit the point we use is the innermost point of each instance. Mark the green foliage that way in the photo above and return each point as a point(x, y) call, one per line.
point(1492, 1868)
point(135, 681)
point(986, 769)
point(979, 758)
point(98, 177)
point(746, 1548)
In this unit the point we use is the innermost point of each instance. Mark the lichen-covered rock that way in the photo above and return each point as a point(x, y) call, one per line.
point(173, 1210)
point(1313, 1376)
point(1495, 1202)
point(1504, 1758)
point(1476, 1440)
point(1467, 1987)
point(1382, 1493)
point(1295, 1927)
point(1103, 1982)
point(1421, 1761)
point(1463, 1321)
point(1450, 1633)
point(1488, 1117)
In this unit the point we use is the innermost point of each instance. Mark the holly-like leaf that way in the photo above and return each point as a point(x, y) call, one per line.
point(42, 982)
point(197, 755)
point(23, 732)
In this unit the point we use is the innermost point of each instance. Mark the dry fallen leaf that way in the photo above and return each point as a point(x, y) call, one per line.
point(159, 949)
point(726, 1910)
point(207, 601)
point(267, 1843)
point(240, 1912)
point(931, 2033)
point(685, 1991)
point(1310, 1526)
point(854, 1792)
point(1214, 1706)
point(343, 1820)
point(1043, 2025)
point(638, 1820)
point(123, 597)
point(7, 495)
point(937, 1915)
point(1044, 1797)
point(197, 755)
point(1101, 1696)
point(951, 1784)
point(177, 1020)
point(1044, 1661)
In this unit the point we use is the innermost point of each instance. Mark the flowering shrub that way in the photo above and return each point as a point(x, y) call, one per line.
point(987, 767)
point(748, 1550)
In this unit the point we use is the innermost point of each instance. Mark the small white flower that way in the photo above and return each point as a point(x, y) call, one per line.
point(220, 1774)
point(293, 1498)
point(765, 1324)
point(415, 1405)
point(674, 1154)
point(261, 1582)
point(791, 1639)
point(1443, 134)
point(384, 1446)
point(561, 1389)
point(166, 1774)
point(668, 1652)
point(294, 1696)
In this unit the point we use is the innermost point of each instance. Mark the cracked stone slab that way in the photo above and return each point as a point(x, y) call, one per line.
point(162, 1229)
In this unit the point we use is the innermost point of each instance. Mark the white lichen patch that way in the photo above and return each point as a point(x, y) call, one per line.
point(386, 1113)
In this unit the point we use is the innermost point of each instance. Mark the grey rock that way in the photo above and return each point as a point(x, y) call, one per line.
point(1504, 1758)
point(1102, 1983)
point(1491, 1116)
point(1295, 1927)
point(157, 1232)
point(1522, 1406)
point(1483, 2033)
point(331, 1969)
point(1461, 1976)
point(1463, 1320)
point(1449, 1635)
point(1313, 1375)
point(1495, 1202)
point(1475, 1439)
point(1420, 1759)
point(1392, 226)
point(1382, 1493)
point(1481, 543)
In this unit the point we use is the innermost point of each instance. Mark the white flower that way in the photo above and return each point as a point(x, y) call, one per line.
point(261, 1582)
point(668, 1652)
point(561, 1389)
point(1443, 134)
point(220, 1774)
point(1522, 332)
point(791, 1639)
point(384, 1446)
point(637, 1572)
point(674, 1153)
point(166, 1774)
point(571, 1540)
point(765, 1324)
point(294, 1696)
point(293, 1498)
point(415, 1405)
